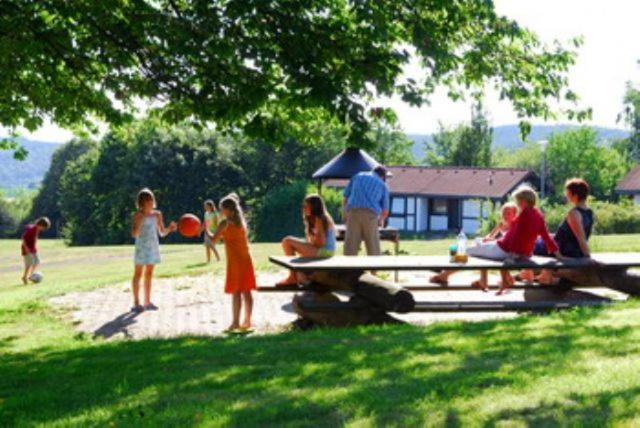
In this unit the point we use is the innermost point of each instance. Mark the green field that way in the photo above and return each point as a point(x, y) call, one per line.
point(574, 368)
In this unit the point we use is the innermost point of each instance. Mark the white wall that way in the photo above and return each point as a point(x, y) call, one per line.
point(422, 213)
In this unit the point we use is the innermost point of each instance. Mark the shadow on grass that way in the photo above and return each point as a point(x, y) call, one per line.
point(118, 325)
point(402, 375)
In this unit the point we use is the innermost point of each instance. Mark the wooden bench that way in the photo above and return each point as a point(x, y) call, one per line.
point(343, 273)
point(438, 263)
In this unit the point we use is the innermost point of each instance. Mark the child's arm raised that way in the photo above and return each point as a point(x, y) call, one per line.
point(164, 231)
point(218, 233)
point(136, 223)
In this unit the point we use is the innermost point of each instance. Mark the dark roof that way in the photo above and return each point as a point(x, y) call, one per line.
point(467, 182)
point(631, 182)
point(347, 164)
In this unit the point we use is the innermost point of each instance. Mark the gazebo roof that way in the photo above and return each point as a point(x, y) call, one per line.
point(347, 164)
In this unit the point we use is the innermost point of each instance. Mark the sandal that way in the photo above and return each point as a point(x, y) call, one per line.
point(136, 309)
point(151, 307)
point(437, 280)
point(476, 284)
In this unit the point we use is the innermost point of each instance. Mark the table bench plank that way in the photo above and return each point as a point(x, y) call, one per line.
point(437, 263)
point(499, 306)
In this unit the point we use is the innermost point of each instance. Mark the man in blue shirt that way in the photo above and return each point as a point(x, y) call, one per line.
point(366, 207)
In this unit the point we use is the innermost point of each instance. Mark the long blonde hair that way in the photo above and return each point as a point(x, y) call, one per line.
point(231, 203)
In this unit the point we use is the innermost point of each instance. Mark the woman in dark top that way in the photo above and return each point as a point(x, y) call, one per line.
point(573, 234)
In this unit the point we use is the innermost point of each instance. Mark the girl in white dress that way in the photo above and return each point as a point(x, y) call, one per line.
point(147, 226)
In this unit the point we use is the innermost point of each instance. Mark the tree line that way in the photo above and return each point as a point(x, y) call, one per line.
point(575, 152)
point(89, 189)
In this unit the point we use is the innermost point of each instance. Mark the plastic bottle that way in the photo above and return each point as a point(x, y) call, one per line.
point(461, 244)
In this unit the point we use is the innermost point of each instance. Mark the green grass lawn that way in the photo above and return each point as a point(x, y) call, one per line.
point(575, 368)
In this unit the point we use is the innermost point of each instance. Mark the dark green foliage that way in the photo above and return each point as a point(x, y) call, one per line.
point(14, 206)
point(610, 218)
point(183, 165)
point(264, 66)
point(464, 145)
point(280, 212)
point(576, 153)
point(391, 146)
point(631, 116)
point(8, 222)
point(47, 201)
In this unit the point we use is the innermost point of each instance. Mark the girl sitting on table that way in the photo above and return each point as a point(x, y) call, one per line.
point(320, 235)
point(519, 240)
point(572, 236)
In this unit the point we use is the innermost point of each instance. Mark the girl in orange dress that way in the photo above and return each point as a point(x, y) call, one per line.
point(241, 278)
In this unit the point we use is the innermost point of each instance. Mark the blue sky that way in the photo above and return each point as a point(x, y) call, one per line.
point(607, 60)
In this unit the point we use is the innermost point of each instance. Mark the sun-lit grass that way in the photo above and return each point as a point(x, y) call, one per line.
point(577, 368)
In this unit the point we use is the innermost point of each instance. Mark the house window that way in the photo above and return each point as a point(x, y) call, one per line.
point(439, 207)
point(411, 205)
point(397, 205)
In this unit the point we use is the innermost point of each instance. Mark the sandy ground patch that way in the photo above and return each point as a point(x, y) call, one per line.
point(198, 306)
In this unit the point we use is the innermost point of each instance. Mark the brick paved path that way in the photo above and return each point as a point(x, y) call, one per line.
point(198, 306)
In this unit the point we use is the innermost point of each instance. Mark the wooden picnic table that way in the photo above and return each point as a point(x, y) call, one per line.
point(439, 263)
point(373, 297)
point(390, 234)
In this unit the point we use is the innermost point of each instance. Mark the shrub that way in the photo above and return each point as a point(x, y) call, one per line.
point(279, 212)
point(610, 218)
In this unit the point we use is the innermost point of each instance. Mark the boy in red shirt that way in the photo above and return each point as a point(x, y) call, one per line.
point(29, 249)
point(520, 239)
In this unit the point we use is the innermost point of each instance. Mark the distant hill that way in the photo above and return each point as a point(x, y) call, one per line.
point(508, 136)
point(30, 172)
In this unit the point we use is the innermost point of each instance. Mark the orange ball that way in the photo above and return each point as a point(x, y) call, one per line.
point(189, 226)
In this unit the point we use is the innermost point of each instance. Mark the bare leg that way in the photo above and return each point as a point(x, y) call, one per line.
point(546, 277)
point(236, 303)
point(527, 275)
point(25, 275)
point(148, 277)
point(207, 251)
point(135, 284)
point(291, 246)
point(507, 282)
point(215, 252)
point(248, 309)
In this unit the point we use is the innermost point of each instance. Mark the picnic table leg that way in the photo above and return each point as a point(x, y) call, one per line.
point(616, 279)
point(396, 251)
point(383, 294)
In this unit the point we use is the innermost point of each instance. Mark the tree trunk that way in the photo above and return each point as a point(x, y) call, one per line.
point(383, 294)
point(616, 279)
point(358, 311)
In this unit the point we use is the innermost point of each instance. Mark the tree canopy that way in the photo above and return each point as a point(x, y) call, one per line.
point(268, 67)
point(631, 116)
point(464, 145)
